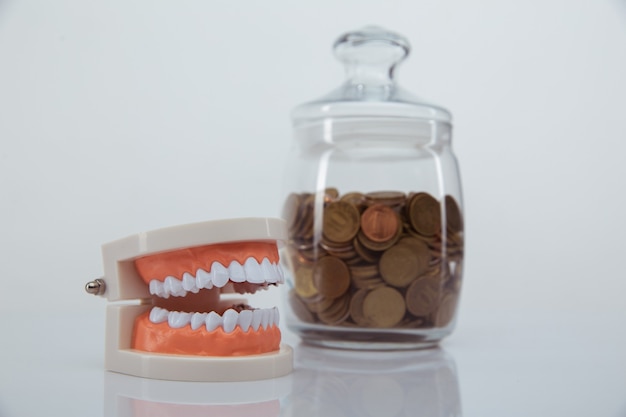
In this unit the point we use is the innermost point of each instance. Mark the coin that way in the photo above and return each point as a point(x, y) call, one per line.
point(377, 246)
point(331, 277)
point(384, 307)
point(356, 308)
point(354, 198)
point(422, 296)
point(304, 286)
point(341, 222)
point(351, 252)
point(425, 214)
point(403, 263)
point(389, 198)
point(380, 223)
point(318, 304)
point(446, 310)
point(454, 219)
point(337, 312)
point(331, 194)
point(365, 254)
point(300, 309)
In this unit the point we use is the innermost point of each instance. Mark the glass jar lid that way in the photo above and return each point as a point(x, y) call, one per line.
point(370, 57)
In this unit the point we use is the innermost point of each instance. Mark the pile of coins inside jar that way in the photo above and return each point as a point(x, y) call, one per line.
point(377, 260)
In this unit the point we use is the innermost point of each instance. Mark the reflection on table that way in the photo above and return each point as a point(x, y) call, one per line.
point(355, 383)
point(326, 382)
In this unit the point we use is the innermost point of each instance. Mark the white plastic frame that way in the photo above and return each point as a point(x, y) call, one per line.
point(123, 283)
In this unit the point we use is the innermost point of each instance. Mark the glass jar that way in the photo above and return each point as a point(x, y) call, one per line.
point(374, 209)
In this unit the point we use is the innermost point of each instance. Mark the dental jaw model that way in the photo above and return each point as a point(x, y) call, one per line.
point(185, 324)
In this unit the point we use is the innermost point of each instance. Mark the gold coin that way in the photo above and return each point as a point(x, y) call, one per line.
point(331, 277)
point(422, 297)
point(341, 222)
point(401, 265)
point(454, 218)
point(304, 282)
point(380, 223)
point(384, 307)
point(425, 214)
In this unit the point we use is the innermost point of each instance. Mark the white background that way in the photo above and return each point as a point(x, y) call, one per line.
point(118, 117)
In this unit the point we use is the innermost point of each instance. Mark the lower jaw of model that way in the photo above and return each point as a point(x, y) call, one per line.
point(190, 316)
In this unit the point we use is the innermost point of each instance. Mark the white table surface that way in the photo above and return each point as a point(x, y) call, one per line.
point(510, 363)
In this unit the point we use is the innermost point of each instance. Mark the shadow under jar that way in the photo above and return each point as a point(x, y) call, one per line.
point(374, 209)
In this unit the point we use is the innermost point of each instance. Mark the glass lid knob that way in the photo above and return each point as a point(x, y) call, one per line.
point(370, 55)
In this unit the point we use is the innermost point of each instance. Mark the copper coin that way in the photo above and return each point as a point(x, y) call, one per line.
point(401, 265)
point(446, 310)
point(377, 246)
point(356, 308)
point(365, 254)
point(425, 214)
point(341, 222)
point(330, 194)
point(384, 307)
point(356, 199)
point(304, 286)
point(318, 304)
point(331, 277)
point(389, 198)
point(299, 308)
point(380, 223)
point(422, 297)
point(337, 312)
point(454, 218)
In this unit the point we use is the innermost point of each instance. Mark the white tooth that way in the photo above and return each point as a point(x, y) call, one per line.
point(266, 270)
point(178, 319)
point(156, 287)
point(236, 271)
point(189, 283)
point(197, 320)
point(245, 318)
point(219, 274)
point(174, 287)
point(158, 315)
point(281, 274)
point(213, 321)
point(270, 321)
point(230, 320)
point(256, 319)
point(276, 317)
point(254, 273)
point(273, 279)
point(265, 318)
point(203, 279)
